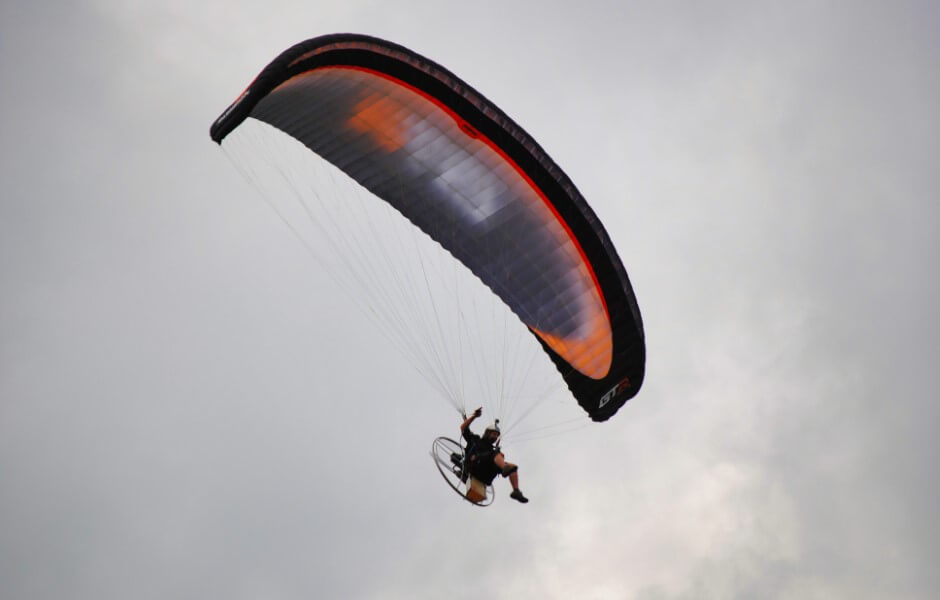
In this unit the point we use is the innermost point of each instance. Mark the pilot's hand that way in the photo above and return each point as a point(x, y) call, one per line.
point(478, 412)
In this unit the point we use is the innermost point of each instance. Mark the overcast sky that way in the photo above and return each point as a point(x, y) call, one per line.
point(188, 410)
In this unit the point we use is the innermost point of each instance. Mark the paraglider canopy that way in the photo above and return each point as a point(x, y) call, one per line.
point(463, 172)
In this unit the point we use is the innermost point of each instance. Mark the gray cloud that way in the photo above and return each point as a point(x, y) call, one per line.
point(183, 410)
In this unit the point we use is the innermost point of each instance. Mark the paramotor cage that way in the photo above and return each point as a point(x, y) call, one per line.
point(448, 455)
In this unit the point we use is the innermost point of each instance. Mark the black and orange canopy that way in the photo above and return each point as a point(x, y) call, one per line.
point(458, 168)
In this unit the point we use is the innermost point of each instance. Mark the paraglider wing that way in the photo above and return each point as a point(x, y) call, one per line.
point(473, 180)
